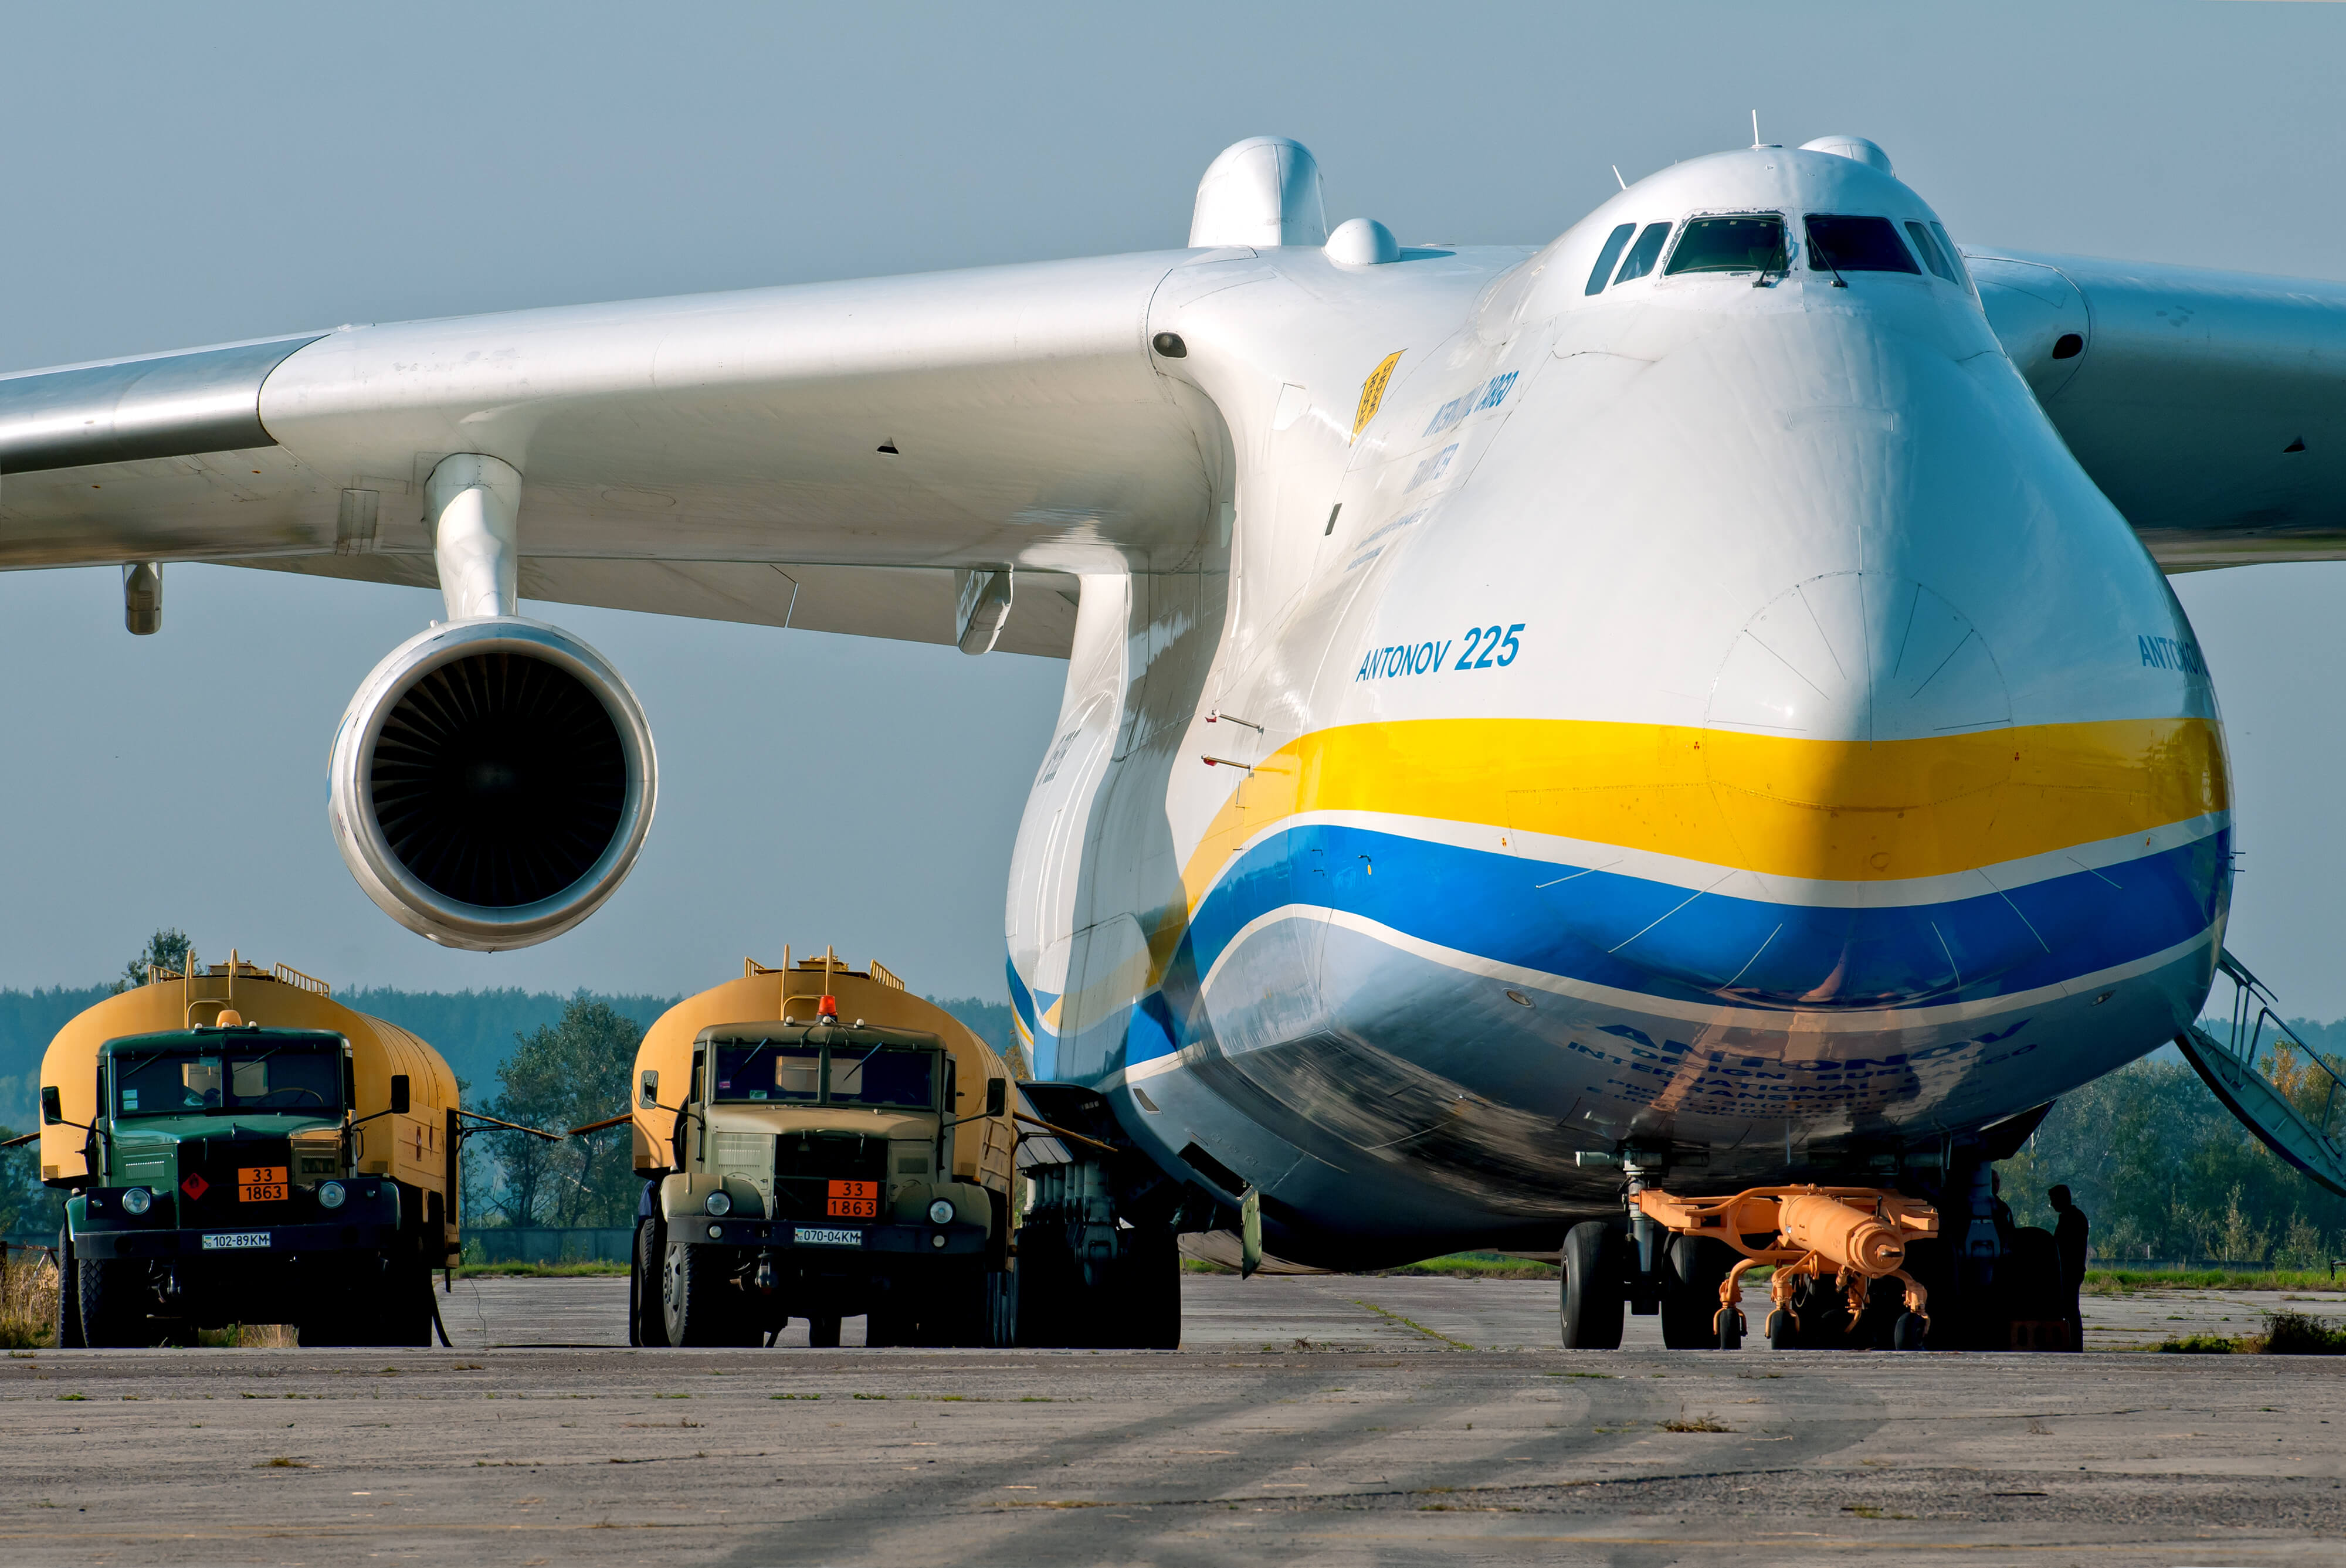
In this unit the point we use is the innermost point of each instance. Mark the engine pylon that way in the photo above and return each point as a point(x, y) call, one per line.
point(1852, 1234)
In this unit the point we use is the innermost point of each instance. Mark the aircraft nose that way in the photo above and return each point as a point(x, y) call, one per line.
point(1857, 739)
point(1859, 656)
point(1934, 764)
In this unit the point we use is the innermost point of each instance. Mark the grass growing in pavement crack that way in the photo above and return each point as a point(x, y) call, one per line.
point(1409, 1323)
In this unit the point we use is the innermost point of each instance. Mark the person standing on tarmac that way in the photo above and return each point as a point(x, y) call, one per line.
point(2069, 1240)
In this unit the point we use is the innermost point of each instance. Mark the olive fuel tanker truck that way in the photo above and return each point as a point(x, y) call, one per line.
point(239, 1147)
point(817, 1142)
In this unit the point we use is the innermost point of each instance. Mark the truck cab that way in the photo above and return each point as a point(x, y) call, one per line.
point(813, 1176)
point(221, 1188)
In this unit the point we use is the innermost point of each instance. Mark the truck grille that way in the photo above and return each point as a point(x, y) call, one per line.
point(235, 1182)
point(808, 1165)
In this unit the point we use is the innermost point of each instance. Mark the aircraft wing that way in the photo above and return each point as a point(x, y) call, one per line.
point(837, 456)
point(2210, 407)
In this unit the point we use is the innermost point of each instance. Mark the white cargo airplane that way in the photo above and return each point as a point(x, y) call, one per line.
point(1694, 704)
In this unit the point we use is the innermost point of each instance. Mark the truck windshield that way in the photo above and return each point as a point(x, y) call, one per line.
point(306, 1080)
point(883, 1075)
point(765, 1071)
point(902, 1076)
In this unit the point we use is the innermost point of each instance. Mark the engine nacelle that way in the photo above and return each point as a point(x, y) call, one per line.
point(493, 782)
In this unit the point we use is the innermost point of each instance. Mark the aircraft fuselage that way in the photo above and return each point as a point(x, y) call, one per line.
point(1703, 710)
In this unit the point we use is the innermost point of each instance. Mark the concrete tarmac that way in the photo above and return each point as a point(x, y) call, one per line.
point(1306, 1420)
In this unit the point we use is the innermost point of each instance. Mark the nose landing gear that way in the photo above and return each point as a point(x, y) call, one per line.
point(1829, 1248)
point(1839, 1255)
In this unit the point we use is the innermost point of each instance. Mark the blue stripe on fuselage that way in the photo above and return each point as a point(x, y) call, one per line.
point(1632, 934)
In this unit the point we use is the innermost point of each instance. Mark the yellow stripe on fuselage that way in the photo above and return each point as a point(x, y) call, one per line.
point(1835, 810)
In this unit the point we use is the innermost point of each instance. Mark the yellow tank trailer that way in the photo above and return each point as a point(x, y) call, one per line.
point(817, 1142)
point(241, 1148)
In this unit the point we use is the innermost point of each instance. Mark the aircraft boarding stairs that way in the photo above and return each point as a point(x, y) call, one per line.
point(2291, 1099)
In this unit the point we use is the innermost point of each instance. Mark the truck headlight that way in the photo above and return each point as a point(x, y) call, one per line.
point(136, 1200)
point(718, 1202)
point(331, 1194)
point(941, 1212)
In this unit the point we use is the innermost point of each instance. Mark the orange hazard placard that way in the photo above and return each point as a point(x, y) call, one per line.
point(854, 1199)
point(260, 1184)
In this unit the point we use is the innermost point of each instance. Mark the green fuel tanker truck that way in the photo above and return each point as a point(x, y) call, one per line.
point(239, 1147)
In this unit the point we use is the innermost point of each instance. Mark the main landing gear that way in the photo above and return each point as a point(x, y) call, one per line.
point(1838, 1253)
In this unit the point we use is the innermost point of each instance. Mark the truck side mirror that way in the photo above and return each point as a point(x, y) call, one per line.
point(649, 1096)
point(997, 1095)
point(52, 1112)
point(399, 1100)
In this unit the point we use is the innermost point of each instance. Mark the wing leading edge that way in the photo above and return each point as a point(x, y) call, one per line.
point(2210, 407)
point(829, 455)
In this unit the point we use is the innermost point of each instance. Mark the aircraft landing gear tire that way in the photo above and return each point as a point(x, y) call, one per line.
point(647, 1323)
point(68, 1325)
point(1691, 1275)
point(1148, 1291)
point(1909, 1333)
point(1730, 1331)
point(1594, 1299)
point(822, 1332)
point(1782, 1333)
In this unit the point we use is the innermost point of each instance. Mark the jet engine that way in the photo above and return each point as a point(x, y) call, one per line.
point(493, 780)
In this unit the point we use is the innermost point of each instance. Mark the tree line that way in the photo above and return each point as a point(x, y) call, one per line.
point(2161, 1169)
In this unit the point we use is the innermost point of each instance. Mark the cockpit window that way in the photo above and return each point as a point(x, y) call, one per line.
point(1647, 251)
point(1955, 257)
point(1752, 244)
point(1932, 257)
point(1607, 256)
point(1843, 244)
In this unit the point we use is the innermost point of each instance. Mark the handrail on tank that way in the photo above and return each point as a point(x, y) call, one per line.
point(301, 981)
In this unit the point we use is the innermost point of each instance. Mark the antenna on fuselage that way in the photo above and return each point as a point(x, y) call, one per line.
point(1755, 128)
point(1618, 179)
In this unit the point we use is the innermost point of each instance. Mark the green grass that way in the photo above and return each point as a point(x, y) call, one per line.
point(538, 1270)
point(2286, 1334)
point(2117, 1281)
point(1477, 1265)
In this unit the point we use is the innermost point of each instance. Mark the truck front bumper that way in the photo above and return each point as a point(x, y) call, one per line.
point(841, 1237)
point(102, 1228)
point(262, 1241)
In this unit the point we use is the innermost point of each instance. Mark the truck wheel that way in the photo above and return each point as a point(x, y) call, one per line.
point(647, 1324)
point(884, 1324)
point(68, 1323)
point(1002, 1309)
point(699, 1304)
point(113, 1303)
point(960, 1310)
point(406, 1317)
point(1594, 1301)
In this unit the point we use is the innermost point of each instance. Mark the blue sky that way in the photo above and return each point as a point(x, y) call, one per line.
point(183, 174)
